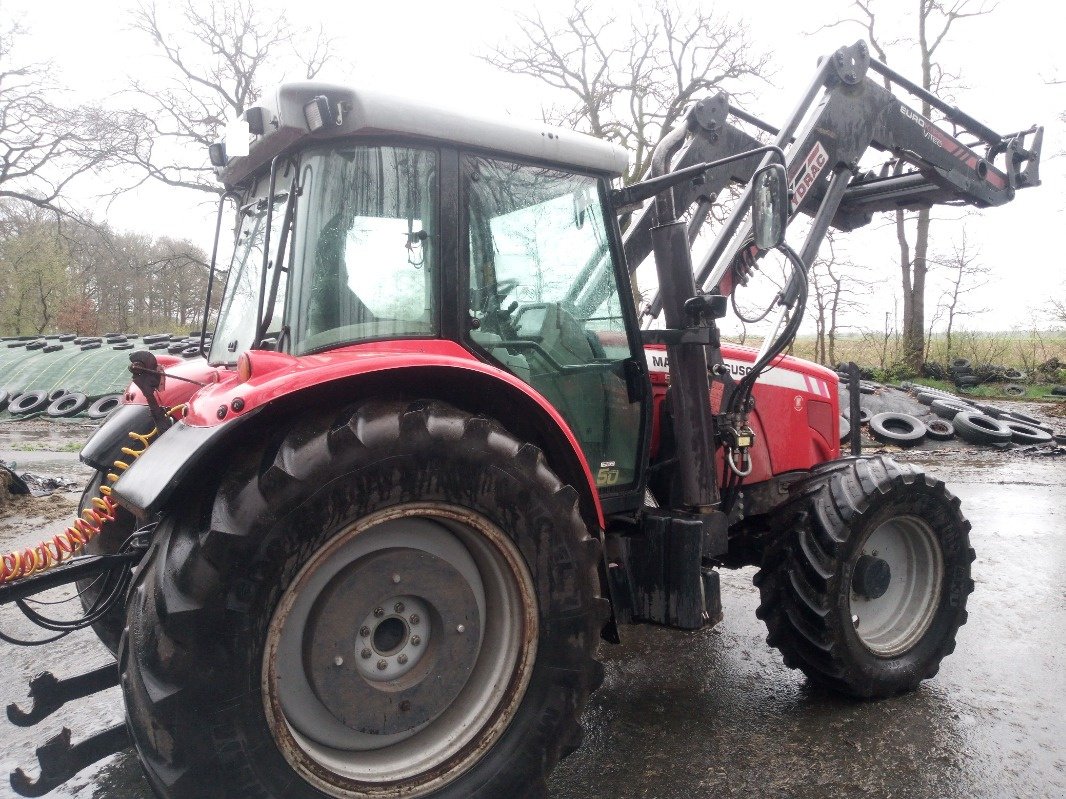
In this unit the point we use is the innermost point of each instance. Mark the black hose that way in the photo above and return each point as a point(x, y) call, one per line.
point(741, 396)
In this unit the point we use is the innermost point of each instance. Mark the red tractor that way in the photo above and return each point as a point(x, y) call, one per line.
point(431, 458)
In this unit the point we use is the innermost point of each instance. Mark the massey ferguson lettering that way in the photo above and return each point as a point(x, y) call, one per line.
point(808, 172)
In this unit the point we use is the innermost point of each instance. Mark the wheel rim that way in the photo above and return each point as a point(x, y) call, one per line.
point(400, 652)
point(894, 621)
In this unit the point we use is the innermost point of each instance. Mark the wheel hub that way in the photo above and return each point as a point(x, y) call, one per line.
point(434, 572)
point(872, 577)
point(381, 676)
point(896, 585)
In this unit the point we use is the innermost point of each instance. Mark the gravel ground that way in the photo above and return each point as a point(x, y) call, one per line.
point(716, 712)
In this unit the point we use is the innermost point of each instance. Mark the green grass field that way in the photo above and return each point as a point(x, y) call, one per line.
point(1025, 351)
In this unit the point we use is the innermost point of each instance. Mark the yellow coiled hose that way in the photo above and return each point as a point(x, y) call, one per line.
point(22, 563)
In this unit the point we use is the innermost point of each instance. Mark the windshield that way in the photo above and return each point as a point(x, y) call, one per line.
point(367, 246)
point(237, 321)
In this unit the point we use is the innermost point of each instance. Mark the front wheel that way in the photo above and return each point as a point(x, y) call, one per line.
point(401, 600)
point(865, 585)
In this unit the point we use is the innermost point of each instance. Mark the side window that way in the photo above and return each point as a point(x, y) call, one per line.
point(367, 245)
point(545, 296)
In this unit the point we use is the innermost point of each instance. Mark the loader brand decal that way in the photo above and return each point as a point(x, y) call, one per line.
point(777, 376)
point(812, 166)
point(951, 146)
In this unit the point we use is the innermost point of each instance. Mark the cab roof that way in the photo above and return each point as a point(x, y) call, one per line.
point(281, 117)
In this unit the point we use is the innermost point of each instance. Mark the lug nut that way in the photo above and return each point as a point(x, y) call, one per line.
point(379, 612)
point(402, 659)
point(415, 618)
point(382, 665)
point(415, 640)
point(398, 607)
point(396, 578)
point(365, 632)
point(461, 629)
point(366, 654)
point(338, 661)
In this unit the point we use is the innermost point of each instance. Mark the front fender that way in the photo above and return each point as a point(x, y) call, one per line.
point(283, 386)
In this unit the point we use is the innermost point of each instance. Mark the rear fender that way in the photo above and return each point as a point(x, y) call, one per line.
point(183, 379)
point(105, 445)
point(173, 460)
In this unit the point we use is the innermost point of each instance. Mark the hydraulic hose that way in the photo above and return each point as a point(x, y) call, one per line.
point(48, 554)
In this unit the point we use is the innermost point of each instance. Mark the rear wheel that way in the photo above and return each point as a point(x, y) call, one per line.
point(398, 601)
point(866, 586)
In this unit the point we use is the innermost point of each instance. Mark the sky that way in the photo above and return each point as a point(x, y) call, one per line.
point(1006, 62)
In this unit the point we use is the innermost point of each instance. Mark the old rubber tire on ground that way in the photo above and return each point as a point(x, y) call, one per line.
point(328, 534)
point(845, 429)
point(68, 405)
point(989, 410)
point(940, 430)
point(900, 429)
point(29, 402)
point(928, 395)
point(104, 405)
point(112, 535)
point(1022, 417)
point(980, 429)
point(946, 409)
point(865, 586)
point(1022, 433)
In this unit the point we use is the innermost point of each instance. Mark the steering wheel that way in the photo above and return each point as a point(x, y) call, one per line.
point(493, 315)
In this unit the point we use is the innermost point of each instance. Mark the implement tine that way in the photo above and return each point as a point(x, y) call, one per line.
point(60, 761)
point(49, 694)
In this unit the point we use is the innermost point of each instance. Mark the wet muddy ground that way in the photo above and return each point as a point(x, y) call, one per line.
point(716, 712)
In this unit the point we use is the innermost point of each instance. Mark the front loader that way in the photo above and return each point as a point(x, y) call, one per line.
point(370, 544)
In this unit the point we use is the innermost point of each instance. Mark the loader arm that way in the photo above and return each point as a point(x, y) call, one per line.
point(844, 113)
point(712, 138)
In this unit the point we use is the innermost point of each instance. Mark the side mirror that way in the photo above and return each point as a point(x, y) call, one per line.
point(769, 206)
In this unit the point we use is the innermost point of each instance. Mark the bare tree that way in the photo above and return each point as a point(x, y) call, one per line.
point(44, 145)
point(630, 80)
point(967, 274)
point(836, 289)
point(935, 19)
point(1057, 309)
point(219, 54)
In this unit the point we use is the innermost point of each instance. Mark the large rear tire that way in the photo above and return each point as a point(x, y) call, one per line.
point(271, 647)
point(865, 585)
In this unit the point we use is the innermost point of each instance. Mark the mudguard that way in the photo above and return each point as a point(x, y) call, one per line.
point(149, 482)
point(283, 386)
point(105, 445)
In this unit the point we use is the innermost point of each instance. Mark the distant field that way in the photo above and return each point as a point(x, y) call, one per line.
point(1020, 350)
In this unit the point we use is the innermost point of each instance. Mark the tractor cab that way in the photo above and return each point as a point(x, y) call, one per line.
point(364, 219)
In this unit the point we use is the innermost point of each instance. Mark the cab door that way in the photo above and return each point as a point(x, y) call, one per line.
point(546, 300)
